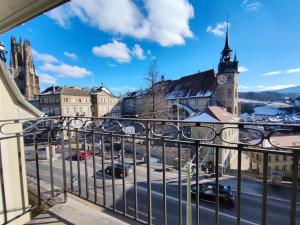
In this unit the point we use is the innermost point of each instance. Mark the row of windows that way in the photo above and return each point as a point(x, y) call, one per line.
point(77, 100)
point(50, 100)
point(274, 158)
point(281, 168)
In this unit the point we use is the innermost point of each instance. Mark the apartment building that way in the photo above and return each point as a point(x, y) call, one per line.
point(65, 101)
point(104, 103)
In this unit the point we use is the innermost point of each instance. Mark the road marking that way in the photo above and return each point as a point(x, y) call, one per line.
point(201, 207)
point(140, 212)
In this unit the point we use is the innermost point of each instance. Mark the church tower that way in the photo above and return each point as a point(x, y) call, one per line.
point(23, 70)
point(226, 93)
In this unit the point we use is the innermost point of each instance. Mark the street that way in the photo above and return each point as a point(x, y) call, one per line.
point(278, 211)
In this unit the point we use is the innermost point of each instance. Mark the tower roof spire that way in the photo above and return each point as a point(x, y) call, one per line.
point(226, 47)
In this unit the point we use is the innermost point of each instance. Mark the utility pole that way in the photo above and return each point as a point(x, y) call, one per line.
point(188, 170)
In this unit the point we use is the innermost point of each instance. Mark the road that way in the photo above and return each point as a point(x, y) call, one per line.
point(277, 211)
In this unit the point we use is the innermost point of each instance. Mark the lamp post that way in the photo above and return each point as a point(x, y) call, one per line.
point(2, 52)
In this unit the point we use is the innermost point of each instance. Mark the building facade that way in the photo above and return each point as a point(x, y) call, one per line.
point(23, 70)
point(65, 101)
point(104, 103)
point(229, 137)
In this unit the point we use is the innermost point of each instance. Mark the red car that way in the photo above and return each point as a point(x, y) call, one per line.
point(82, 156)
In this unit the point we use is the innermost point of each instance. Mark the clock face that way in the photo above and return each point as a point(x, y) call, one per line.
point(221, 79)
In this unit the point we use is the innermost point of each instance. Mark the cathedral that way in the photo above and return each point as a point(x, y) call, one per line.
point(23, 70)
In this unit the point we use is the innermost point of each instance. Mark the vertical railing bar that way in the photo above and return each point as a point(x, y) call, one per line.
point(164, 182)
point(37, 171)
point(123, 177)
point(265, 183)
point(179, 186)
point(197, 184)
point(63, 164)
point(113, 170)
point(103, 172)
point(238, 202)
point(21, 172)
point(134, 179)
point(87, 192)
point(70, 157)
point(94, 166)
point(3, 188)
point(78, 162)
point(217, 187)
point(149, 195)
point(293, 206)
point(51, 164)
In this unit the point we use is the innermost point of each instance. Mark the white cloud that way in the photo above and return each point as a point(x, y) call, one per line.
point(294, 70)
point(65, 70)
point(251, 6)
point(126, 18)
point(116, 50)
point(138, 52)
point(46, 58)
point(47, 79)
point(71, 55)
point(274, 87)
point(243, 87)
point(243, 69)
point(219, 29)
point(272, 73)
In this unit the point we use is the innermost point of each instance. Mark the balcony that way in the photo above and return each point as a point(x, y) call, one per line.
point(247, 173)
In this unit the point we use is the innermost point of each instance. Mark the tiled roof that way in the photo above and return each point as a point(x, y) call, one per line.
point(200, 84)
point(74, 91)
point(213, 114)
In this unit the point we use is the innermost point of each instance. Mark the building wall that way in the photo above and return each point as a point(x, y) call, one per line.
point(75, 105)
point(12, 109)
point(227, 94)
point(227, 158)
point(105, 105)
point(275, 163)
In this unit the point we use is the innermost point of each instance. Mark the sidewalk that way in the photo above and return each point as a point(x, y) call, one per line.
point(78, 211)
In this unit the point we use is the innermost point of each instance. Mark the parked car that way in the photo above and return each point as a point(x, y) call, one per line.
point(82, 156)
point(207, 192)
point(119, 170)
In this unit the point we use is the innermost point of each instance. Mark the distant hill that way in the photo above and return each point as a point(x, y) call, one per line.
point(291, 90)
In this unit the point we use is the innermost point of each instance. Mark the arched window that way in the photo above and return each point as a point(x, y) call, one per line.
point(229, 95)
point(19, 57)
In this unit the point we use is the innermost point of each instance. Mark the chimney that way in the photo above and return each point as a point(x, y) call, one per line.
point(53, 89)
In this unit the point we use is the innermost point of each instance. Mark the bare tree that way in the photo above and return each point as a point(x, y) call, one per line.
point(152, 78)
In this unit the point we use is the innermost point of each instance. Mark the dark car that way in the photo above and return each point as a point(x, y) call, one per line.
point(119, 170)
point(207, 192)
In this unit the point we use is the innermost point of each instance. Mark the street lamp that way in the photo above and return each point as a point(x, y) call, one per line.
point(2, 52)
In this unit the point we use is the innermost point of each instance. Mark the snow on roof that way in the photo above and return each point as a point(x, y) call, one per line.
point(266, 110)
point(203, 117)
point(213, 114)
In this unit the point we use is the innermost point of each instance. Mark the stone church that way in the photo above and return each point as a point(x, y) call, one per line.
point(23, 70)
point(184, 97)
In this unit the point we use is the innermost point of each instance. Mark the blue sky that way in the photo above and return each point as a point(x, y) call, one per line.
point(113, 42)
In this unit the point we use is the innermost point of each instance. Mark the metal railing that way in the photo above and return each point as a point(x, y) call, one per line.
point(77, 146)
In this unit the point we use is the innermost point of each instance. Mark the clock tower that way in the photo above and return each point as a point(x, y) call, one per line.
point(226, 92)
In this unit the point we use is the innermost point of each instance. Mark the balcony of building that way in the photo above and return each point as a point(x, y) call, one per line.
point(62, 172)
